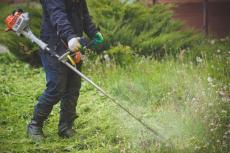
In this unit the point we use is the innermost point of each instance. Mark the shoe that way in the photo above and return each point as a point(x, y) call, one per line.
point(34, 131)
point(68, 133)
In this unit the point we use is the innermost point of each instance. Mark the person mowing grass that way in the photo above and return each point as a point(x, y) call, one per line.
point(62, 20)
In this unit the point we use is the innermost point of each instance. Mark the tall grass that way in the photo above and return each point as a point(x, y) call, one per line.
point(176, 99)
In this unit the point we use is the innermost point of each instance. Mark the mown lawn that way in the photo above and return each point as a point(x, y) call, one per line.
point(20, 86)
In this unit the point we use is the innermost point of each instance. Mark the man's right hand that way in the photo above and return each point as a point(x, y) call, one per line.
point(74, 44)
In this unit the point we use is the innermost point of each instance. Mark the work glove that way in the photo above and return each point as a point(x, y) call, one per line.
point(98, 38)
point(75, 46)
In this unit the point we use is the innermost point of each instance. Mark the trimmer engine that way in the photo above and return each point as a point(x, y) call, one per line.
point(18, 21)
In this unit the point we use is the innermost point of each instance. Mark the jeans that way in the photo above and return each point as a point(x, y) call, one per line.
point(62, 84)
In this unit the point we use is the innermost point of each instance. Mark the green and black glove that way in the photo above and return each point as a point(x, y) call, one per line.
point(98, 38)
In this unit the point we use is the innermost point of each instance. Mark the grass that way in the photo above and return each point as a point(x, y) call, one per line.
point(174, 98)
point(20, 87)
point(177, 100)
point(185, 98)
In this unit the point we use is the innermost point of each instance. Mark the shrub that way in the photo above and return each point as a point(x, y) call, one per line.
point(121, 55)
point(148, 31)
point(145, 31)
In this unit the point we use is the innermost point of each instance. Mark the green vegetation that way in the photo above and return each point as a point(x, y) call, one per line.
point(132, 25)
point(175, 80)
point(20, 86)
point(180, 100)
point(190, 115)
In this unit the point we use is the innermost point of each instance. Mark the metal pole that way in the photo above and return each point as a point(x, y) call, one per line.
point(205, 16)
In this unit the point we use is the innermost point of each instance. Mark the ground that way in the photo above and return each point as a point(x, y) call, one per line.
point(177, 100)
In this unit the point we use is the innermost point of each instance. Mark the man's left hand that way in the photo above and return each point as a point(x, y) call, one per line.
point(98, 38)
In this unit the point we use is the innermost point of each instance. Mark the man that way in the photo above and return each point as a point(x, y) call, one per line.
point(62, 20)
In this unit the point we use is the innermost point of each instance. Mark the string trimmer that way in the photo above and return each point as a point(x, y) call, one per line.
point(18, 22)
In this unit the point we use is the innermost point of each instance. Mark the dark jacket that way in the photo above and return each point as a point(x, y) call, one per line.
point(65, 19)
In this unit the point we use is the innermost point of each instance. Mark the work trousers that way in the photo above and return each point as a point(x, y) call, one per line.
point(62, 84)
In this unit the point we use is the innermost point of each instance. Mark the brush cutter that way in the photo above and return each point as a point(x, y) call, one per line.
point(18, 22)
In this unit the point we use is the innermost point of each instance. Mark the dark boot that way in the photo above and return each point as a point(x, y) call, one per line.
point(34, 131)
point(65, 130)
point(34, 128)
point(68, 133)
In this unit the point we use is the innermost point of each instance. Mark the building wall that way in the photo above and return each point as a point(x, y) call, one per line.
point(191, 13)
point(178, 1)
point(188, 1)
point(219, 16)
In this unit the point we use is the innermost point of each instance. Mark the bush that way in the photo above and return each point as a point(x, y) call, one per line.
point(121, 55)
point(143, 31)
point(148, 31)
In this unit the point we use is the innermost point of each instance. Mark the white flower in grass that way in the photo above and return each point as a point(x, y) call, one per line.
point(211, 124)
point(224, 111)
point(193, 99)
point(222, 93)
point(210, 104)
point(197, 147)
point(222, 39)
point(224, 144)
point(203, 93)
point(212, 42)
point(107, 58)
point(218, 51)
point(199, 59)
point(210, 80)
